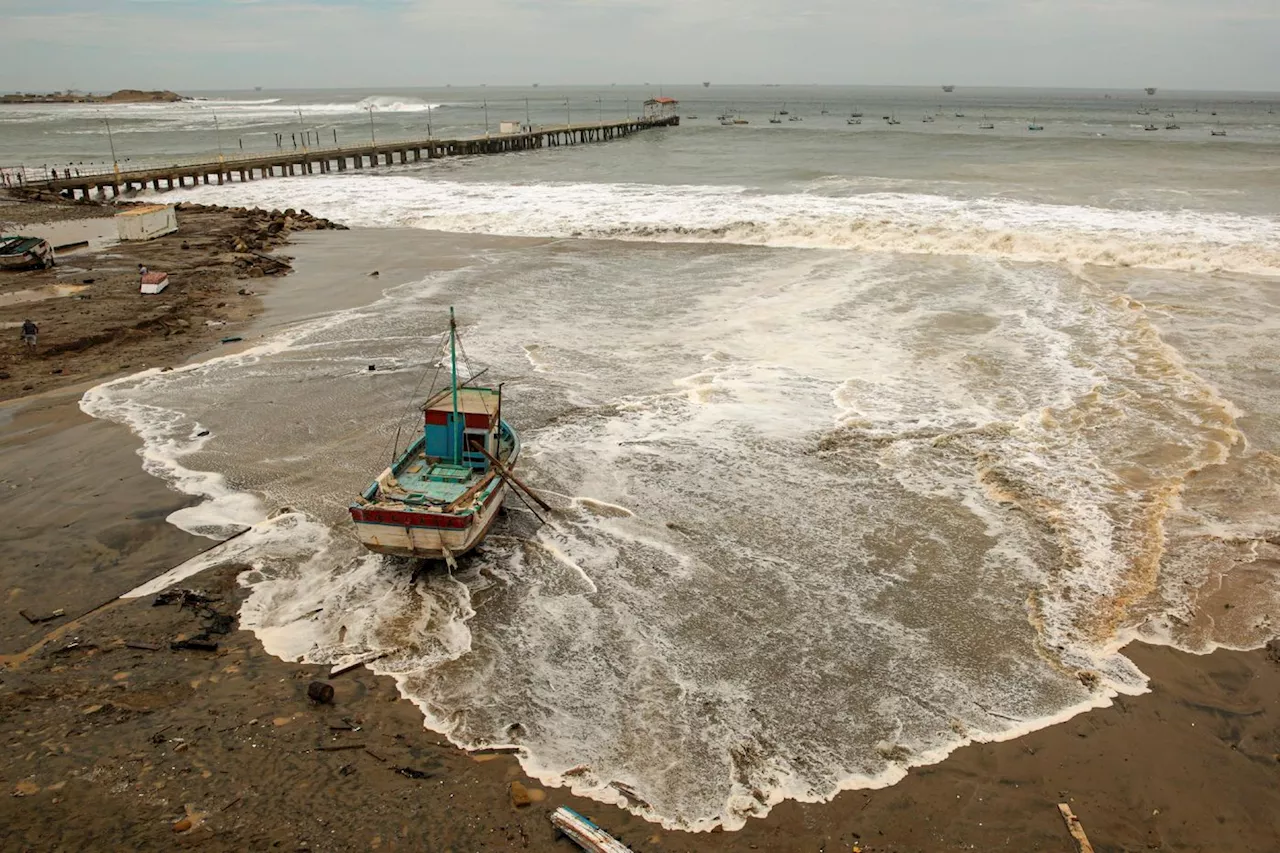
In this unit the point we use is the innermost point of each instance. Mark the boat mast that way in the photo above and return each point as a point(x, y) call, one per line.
point(453, 374)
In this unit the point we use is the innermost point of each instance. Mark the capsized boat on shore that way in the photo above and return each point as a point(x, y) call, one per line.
point(439, 498)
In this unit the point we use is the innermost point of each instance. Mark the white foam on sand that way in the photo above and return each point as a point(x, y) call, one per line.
point(832, 517)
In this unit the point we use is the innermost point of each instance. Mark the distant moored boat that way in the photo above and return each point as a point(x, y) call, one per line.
point(1150, 90)
point(948, 88)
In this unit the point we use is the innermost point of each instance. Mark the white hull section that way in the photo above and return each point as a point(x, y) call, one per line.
point(432, 543)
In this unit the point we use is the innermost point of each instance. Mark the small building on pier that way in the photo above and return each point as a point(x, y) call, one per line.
point(660, 108)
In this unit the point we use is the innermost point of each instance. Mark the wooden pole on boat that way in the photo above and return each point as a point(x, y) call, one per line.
point(506, 474)
point(453, 379)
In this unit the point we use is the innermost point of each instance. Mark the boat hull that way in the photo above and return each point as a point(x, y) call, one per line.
point(399, 536)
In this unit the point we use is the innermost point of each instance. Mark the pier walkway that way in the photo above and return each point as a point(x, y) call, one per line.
point(311, 161)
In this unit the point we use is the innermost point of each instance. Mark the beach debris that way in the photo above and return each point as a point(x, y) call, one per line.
point(36, 620)
point(146, 647)
point(1273, 650)
point(584, 833)
point(198, 643)
point(1076, 830)
point(182, 597)
point(339, 747)
point(320, 692)
point(520, 795)
point(369, 658)
point(25, 788)
point(233, 338)
point(630, 794)
point(412, 773)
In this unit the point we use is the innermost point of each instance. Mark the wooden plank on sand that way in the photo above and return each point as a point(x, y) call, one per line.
point(1076, 830)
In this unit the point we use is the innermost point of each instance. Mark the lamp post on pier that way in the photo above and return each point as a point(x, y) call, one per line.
point(568, 115)
point(486, 116)
point(599, 110)
point(428, 120)
point(302, 131)
point(115, 164)
point(217, 132)
point(373, 140)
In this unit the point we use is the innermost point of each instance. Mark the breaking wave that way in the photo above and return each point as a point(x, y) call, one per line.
point(895, 222)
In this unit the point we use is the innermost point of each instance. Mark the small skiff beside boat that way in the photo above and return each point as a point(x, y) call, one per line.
point(439, 498)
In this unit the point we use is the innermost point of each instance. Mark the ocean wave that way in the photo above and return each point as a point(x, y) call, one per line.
point(896, 222)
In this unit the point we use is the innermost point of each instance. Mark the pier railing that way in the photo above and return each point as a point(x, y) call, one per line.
point(119, 177)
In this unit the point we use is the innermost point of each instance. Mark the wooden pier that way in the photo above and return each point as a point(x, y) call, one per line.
point(312, 161)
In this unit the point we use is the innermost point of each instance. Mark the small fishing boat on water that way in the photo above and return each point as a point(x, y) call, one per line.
point(775, 119)
point(25, 253)
point(1035, 125)
point(439, 498)
point(853, 121)
point(986, 124)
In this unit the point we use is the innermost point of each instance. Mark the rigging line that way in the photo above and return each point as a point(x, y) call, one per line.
point(516, 492)
point(472, 375)
point(395, 447)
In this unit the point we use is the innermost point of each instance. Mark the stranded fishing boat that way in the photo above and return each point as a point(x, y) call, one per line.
point(25, 253)
point(440, 497)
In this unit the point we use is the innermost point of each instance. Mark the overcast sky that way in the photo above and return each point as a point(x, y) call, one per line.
point(101, 45)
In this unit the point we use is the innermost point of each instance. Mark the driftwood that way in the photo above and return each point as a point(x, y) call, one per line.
point(347, 667)
point(586, 834)
point(36, 620)
point(1076, 830)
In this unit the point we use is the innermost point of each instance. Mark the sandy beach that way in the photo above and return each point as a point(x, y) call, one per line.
point(114, 737)
point(112, 743)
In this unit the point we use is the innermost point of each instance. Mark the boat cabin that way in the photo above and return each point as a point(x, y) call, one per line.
point(449, 440)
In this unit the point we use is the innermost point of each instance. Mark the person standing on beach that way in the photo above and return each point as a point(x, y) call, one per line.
point(29, 332)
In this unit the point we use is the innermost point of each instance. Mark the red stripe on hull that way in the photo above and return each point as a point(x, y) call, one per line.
point(411, 519)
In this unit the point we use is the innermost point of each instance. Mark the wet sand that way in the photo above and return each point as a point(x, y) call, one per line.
point(108, 746)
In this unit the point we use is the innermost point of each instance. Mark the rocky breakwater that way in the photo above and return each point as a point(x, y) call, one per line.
point(257, 232)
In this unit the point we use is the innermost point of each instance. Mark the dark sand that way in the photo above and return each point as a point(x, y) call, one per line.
point(108, 747)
